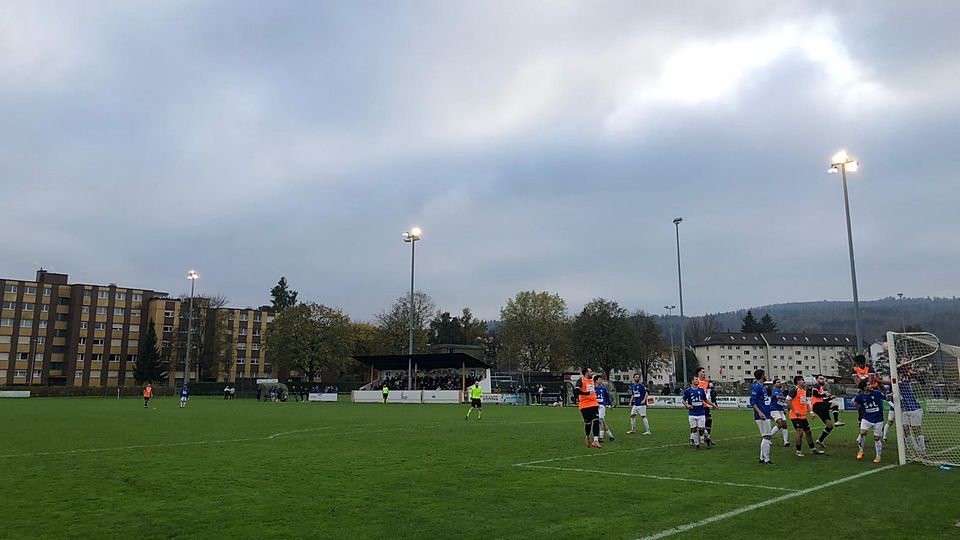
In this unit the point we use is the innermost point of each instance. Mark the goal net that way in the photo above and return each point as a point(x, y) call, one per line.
point(925, 378)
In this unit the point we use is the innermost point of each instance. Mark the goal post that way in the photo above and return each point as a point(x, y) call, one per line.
point(925, 380)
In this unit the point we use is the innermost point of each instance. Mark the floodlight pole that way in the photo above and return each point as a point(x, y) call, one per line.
point(683, 337)
point(192, 276)
point(673, 353)
point(413, 251)
point(853, 264)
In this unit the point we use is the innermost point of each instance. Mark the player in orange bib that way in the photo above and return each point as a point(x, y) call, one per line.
point(585, 391)
point(147, 394)
point(797, 399)
point(707, 387)
point(862, 372)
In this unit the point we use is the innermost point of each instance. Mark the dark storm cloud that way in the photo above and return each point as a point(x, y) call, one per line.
point(540, 145)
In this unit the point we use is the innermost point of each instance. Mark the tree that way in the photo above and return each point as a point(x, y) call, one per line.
point(393, 325)
point(364, 338)
point(535, 331)
point(845, 362)
point(700, 328)
point(149, 366)
point(210, 345)
point(767, 325)
point(464, 329)
point(750, 324)
point(283, 296)
point(310, 338)
point(652, 355)
point(603, 337)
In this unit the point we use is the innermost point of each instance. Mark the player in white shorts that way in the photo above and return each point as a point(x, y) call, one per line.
point(911, 413)
point(695, 400)
point(777, 416)
point(603, 398)
point(638, 402)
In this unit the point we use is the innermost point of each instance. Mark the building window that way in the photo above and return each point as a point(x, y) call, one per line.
point(81, 357)
point(47, 291)
point(103, 295)
point(241, 346)
point(168, 329)
point(85, 310)
point(84, 325)
point(63, 317)
point(10, 289)
point(243, 317)
point(82, 341)
point(255, 347)
point(241, 360)
point(131, 358)
point(118, 312)
point(78, 374)
point(121, 296)
point(10, 306)
point(29, 290)
point(41, 341)
point(20, 373)
point(98, 343)
point(26, 323)
point(23, 356)
point(114, 358)
point(118, 327)
point(28, 307)
point(102, 310)
point(100, 326)
point(63, 301)
point(134, 312)
point(134, 327)
point(97, 357)
point(44, 308)
point(168, 313)
point(137, 297)
point(243, 331)
point(87, 294)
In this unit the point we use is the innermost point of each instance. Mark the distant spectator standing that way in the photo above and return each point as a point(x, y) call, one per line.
point(259, 392)
point(303, 393)
point(386, 392)
point(147, 394)
point(226, 392)
point(540, 390)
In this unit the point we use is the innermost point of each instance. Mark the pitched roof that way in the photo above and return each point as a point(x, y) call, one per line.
point(737, 338)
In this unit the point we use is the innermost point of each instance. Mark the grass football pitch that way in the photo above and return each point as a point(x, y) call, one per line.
point(108, 468)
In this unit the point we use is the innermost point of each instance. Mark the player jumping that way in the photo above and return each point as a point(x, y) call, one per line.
point(589, 406)
point(695, 400)
point(871, 401)
point(820, 399)
point(638, 405)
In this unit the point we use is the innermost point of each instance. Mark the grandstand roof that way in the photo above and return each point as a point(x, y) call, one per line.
point(423, 361)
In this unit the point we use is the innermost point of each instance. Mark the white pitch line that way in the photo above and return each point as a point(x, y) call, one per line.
point(115, 448)
point(655, 477)
point(596, 454)
point(759, 505)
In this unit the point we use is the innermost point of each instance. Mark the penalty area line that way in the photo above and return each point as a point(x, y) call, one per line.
point(640, 449)
point(655, 477)
point(749, 508)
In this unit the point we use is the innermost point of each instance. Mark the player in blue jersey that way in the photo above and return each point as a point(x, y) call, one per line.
point(695, 400)
point(871, 401)
point(184, 396)
point(760, 401)
point(778, 399)
point(603, 397)
point(911, 413)
point(638, 405)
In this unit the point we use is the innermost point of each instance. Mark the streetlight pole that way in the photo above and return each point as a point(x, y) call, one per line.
point(683, 338)
point(673, 353)
point(192, 275)
point(411, 236)
point(842, 163)
point(903, 319)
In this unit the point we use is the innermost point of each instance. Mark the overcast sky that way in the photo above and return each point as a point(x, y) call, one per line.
point(540, 145)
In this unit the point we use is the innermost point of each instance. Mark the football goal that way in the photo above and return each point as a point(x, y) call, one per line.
point(925, 377)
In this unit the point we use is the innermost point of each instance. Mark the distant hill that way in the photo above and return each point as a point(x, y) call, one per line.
point(938, 315)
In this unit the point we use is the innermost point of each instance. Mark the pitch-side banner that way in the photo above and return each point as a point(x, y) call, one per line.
point(316, 396)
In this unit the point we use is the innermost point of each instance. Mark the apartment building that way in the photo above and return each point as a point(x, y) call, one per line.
point(56, 333)
point(730, 356)
point(239, 353)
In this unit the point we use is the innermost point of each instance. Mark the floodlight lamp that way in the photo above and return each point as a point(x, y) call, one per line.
point(852, 165)
point(677, 221)
point(193, 274)
point(840, 157)
point(415, 233)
